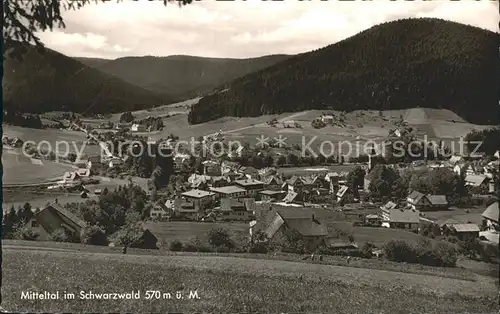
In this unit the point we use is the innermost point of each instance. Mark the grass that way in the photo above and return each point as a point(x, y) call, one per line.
point(230, 284)
point(185, 231)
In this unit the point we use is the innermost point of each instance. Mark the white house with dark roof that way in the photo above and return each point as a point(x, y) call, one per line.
point(401, 218)
point(490, 215)
point(200, 198)
point(417, 200)
point(231, 191)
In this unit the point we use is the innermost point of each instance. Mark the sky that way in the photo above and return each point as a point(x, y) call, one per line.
point(240, 29)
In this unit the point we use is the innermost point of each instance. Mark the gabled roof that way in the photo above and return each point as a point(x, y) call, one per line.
point(464, 227)
point(64, 212)
point(231, 204)
point(437, 199)
point(491, 212)
point(389, 205)
point(404, 215)
point(475, 179)
point(307, 227)
point(416, 196)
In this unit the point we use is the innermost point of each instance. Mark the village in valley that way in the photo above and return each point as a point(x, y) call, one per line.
point(255, 157)
point(267, 195)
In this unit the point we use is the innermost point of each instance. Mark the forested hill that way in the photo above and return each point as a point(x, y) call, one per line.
point(182, 76)
point(51, 81)
point(396, 65)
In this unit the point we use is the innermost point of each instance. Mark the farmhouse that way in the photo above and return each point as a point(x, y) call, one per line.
point(271, 195)
point(463, 232)
point(231, 191)
point(477, 181)
point(159, 211)
point(144, 238)
point(54, 217)
point(417, 200)
point(251, 185)
point(401, 218)
point(490, 215)
point(309, 227)
point(438, 201)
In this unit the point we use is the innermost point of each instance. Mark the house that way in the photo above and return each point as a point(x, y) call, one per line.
point(401, 218)
point(122, 126)
point(143, 238)
point(136, 127)
point(312, 182)
point(251, 185)
point(477, 181)
point(249, 172)
point(231, 191)
point(238, 152)
point(341, 193)
point(388, 206)
point(211, 168)
point(16, 142)
point(83, 173)
point(71, 176)
point(490, 216)
point(367, 181)
point(271, 195)
point(115, 161)
point(275, 223)
point(160, 211)
point(185, 210)
point(372, 219)
point(463, 232)
point(93, 162)
point(201, 199)
point(219, 181)
point(293, 184)
point(417, 200)
point(327, 118)
point(197, 180)
point(332, 176)
point(456, 159)
point(291, 197)
point(232, 209)
point(438, 201)
point(53, 217)
point(273, 183)
point(180, 160)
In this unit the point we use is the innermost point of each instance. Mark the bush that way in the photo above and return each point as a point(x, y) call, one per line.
point(366, 250)
point(60, 235)
point(176, 246)
point(94, 235)
point(26, 234)
point(220, 238)
point(439, 254)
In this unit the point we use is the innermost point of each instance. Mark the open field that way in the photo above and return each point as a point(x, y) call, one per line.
point(19, 169)
point(231, 284)
point(186, 231)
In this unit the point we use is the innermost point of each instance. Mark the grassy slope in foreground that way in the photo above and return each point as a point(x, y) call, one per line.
point(231, 285)
point(50, 81)
point(402, 64)
point(183, 76)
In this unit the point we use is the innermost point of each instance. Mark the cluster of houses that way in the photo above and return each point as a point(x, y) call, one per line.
point(13, 142)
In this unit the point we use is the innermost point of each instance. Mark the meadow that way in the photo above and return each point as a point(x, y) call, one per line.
point(231, 284)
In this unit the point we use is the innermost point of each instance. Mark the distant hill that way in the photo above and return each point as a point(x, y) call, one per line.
point(182, 76)
point(50, 81)
point(397, 65)
point(92, 62)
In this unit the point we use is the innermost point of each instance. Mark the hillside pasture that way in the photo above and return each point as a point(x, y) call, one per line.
point(229, 284)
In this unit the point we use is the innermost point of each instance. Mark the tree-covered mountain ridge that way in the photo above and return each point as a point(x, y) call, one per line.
point(401, 64)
